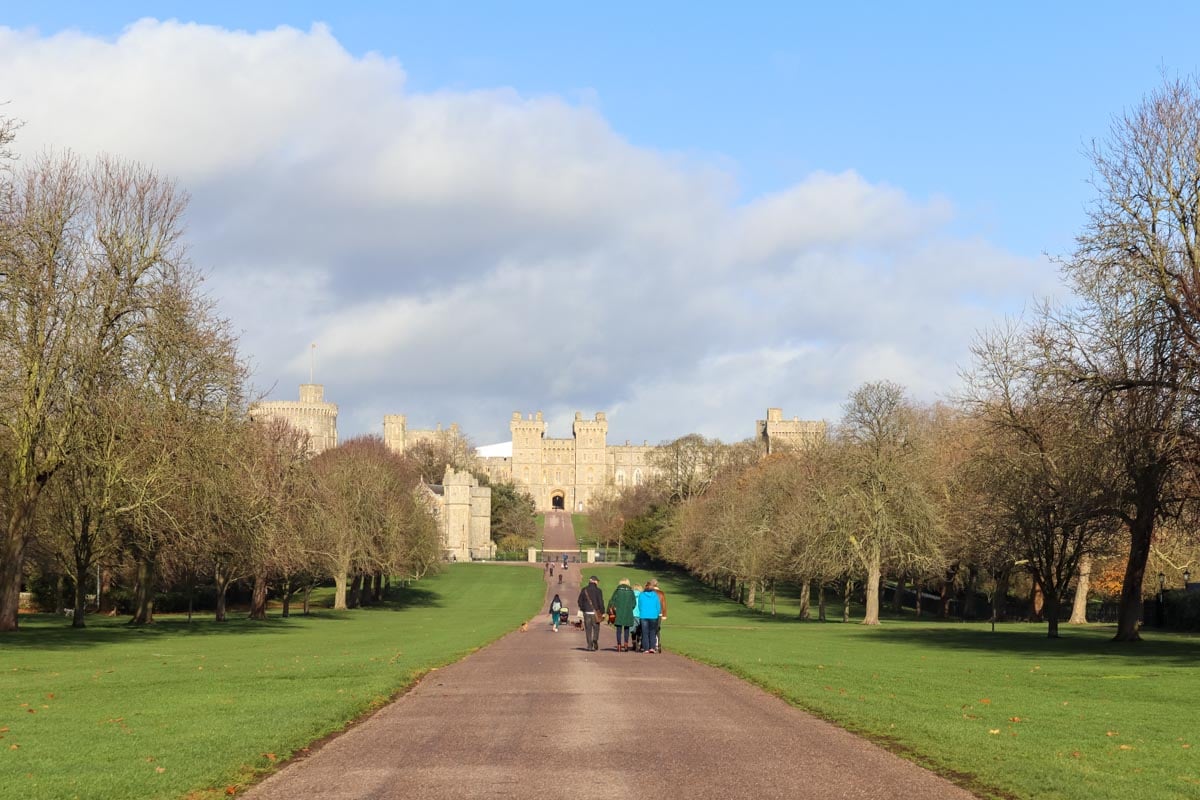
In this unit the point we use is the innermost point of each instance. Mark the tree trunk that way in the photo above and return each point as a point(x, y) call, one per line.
point(307, 595)
point(805, 599)
point(969, 606)
point(258, 598)
point(1079, 608)
point(821, 601)
point(1130, 611)
point(80, 601)
point(377, 588)
point(751, 596)
point(917, 587)
point(222, 582)
point(143, 593)
point(287, 598)
point(874, 578)
point(12, 564)
point(1000, 597)
point(898, 594)
point(946, 594)
point(339, 593)
point(60, 595)
point(355, 598)
point(1037, 602)
point(1051, 609)
point(847, 590)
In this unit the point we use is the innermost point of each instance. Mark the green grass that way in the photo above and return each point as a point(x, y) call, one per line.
point(583, 530)
point(115, 712)
point(1009, 714)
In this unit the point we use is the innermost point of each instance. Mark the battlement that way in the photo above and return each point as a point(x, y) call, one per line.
point(775, 433)
point(310, 414)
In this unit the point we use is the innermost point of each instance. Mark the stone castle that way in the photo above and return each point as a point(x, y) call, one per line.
point(567, 473)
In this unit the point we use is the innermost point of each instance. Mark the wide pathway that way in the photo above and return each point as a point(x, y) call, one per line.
point(536, 715)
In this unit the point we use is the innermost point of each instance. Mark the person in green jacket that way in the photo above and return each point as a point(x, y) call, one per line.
point(621, 604)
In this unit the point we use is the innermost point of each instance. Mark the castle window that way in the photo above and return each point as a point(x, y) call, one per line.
point(637, 477)
point(620, 477)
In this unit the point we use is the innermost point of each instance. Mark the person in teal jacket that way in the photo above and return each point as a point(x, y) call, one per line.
point(649, 609)
point(621, 605)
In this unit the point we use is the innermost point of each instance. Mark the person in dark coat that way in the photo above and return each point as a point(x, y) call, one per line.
point(621, 605)
point(591, 605)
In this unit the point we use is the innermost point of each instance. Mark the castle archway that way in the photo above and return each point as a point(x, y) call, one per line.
point(558, 500)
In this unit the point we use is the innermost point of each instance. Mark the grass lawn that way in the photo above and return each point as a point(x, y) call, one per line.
point(115, 712)
point(1011, 714)
point(583, 530)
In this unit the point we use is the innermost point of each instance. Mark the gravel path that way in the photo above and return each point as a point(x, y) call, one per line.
point(536, 715)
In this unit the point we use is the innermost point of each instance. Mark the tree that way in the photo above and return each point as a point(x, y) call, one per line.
point(82, 249)
point(512, 525)
point(1133, 341)
point(886, 515)
point(1042, 462)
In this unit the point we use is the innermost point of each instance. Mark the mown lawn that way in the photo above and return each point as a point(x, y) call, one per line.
point(583, 530)
point(115, 712)
point(1009, 714)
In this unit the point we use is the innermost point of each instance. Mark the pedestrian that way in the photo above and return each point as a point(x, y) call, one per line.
point(636, 633)
point(662, 616)
point(620, 608)
point(555, 608)
point(591, 606)
point(649, 609)
point(551, 570)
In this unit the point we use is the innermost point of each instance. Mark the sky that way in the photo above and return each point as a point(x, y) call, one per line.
point(677, 213)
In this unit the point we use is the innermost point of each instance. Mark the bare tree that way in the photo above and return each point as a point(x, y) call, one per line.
point(886, 514)
point(82, 249)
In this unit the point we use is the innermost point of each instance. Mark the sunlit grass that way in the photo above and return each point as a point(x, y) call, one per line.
point(115, 712)
point(1011, 713)
point(583, 530)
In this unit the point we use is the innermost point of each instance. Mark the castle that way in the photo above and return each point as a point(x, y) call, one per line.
point(566, 473)
point(463, 510)
point(311, 414)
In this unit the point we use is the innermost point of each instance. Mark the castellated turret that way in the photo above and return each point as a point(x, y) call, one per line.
point(311, 414)
point(776, 433)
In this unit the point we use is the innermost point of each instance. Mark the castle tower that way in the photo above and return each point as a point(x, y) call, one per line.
point(776, 433)
point(527, 436)
point(591, 468)
point(395, 428)
point(311, 414)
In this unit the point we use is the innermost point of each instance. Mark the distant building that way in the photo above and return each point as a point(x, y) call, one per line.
point(775, 433)
point(311, 414)
point(463, 510)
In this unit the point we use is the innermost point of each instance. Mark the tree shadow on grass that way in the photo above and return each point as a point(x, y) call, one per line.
point(1094, 642)
point(1008, 639)
point(51, 632)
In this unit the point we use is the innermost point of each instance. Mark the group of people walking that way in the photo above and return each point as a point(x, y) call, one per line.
point(636, 613)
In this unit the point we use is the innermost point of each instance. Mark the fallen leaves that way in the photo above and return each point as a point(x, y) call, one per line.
point(994, 731)
point(985, 701)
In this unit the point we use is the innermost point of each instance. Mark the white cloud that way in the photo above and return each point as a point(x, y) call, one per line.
point(458, 255)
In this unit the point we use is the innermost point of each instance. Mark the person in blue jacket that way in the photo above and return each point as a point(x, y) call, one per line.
point(649, 610)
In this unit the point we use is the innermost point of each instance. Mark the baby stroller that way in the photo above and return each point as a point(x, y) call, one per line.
point(564, 615)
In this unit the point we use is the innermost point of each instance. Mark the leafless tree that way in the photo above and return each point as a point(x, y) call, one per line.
point(886, 514)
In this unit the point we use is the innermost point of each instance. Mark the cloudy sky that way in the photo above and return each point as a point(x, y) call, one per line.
point(676, 217)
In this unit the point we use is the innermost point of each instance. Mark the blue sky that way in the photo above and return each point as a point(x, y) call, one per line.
point(977, 114)
point(988, 103)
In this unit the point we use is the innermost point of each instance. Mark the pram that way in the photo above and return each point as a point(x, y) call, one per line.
point(564, 615)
